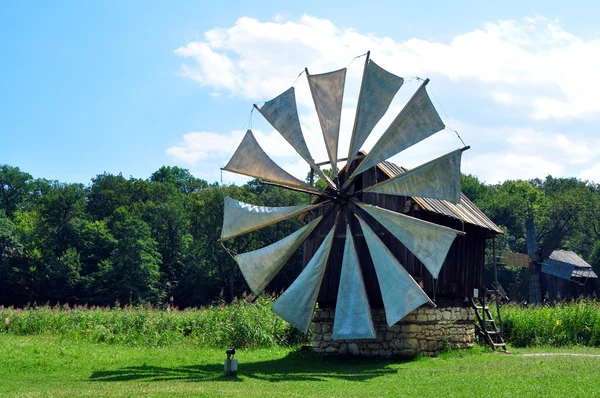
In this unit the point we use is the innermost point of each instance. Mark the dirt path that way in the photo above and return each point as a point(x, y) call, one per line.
point(558, 354)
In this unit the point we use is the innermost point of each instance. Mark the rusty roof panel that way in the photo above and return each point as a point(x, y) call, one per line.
point(465, 211)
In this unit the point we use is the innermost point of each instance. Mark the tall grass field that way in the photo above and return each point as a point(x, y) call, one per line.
point(254, 325)
point(573, 323)
point(240, 324)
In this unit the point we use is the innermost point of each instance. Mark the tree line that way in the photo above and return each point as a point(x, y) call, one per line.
point(129, 240)
point(566, 214)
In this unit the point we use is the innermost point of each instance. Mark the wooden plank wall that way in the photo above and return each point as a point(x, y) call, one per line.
point(461, 273)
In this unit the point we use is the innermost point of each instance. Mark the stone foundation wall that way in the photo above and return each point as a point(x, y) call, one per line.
point(426, 330)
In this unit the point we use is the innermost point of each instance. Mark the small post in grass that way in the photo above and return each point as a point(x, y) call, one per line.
point(231, 365)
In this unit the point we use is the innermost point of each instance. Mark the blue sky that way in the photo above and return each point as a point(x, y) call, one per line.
point(128, 86)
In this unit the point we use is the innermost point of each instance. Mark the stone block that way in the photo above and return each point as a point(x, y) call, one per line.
point(433, 345)
point(343, 350)
point(396, 344)
point(353, 349)
point(421, 318)
point(413, 344)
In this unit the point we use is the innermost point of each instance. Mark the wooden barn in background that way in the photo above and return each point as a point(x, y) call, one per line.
point(565, 275)
point(463, 270)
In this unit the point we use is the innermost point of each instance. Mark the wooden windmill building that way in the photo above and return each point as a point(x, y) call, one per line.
point(427, 329)
point(375, 295)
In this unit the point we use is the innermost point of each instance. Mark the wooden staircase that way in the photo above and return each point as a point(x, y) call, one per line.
point(485, 325)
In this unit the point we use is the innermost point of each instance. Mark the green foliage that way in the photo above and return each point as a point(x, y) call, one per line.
point(565, 324)
point(138, 240)
point(240, 324)
point(179, 177)
point(9, 238)
point(132, 272)
point(15, 189)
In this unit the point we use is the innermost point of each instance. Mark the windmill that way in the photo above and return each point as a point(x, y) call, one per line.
point(341, 205)
point(562, 264)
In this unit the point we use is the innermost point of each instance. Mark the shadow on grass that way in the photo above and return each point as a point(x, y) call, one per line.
point(298, 365)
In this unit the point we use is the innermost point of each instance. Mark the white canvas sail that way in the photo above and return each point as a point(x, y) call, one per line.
point(417, 121)
point(437, 179)
point(427, 241)
point(297, 304)
point(240, 218)
point(259, 267)
point(250, 160)
point(352, 310)
point(282, 113)
point(376, 93)
point(401, 294)
point(327, 90)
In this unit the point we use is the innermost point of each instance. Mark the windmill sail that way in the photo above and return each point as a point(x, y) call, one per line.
point(259, 267)
point(282, 113)
point(437, 179)
point(327, 90)
point(250, 159)
point(352, 311)
point(376, 93)
point(401, 294)
point(427, 241)
point(417, 121)
point(240, 218)
point(297, 304)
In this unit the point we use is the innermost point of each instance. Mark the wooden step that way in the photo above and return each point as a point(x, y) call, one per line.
point(482, 308)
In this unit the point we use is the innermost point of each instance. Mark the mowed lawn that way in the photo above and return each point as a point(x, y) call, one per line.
point(46, 366)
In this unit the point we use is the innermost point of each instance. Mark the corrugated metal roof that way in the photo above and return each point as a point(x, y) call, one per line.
point(567, 265)
point(569, 257)
point(465, 211)
point(584, 273)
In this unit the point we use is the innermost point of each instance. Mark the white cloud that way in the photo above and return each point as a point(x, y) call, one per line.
point(591, 174)
point(532, 65)
point(529, 59)
point(198, 146)
point(494, 167)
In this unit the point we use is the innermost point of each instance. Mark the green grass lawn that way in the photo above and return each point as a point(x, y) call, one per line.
point(46, 366)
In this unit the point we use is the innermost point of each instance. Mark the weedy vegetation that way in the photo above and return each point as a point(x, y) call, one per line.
point(564, 324)
point(241, 324)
